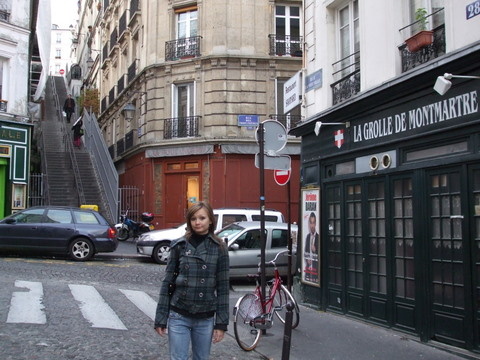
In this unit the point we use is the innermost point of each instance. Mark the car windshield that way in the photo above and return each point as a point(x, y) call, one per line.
point(230, 230)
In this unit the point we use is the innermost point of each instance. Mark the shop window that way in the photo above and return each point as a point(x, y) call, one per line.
point(437, 151)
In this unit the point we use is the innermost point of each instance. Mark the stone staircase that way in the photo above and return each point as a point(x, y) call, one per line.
point(60, 175)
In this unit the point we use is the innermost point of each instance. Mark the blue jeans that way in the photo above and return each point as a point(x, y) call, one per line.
point(182, 329)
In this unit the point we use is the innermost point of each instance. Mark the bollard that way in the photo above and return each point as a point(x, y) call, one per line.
point(287, 335)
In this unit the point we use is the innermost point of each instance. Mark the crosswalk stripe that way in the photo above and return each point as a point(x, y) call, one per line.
point(95, 309)
point(27, 306)
point(143, 301)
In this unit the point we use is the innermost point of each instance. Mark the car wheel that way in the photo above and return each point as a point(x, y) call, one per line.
point(122, 234)
point(81, 249)
point(161, 252)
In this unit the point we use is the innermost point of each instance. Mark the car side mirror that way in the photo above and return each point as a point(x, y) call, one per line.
point(234, 247)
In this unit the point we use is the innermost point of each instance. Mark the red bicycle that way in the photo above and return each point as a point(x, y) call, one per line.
point(249, 318)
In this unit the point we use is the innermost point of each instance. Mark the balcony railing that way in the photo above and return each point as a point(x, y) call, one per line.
point(348, 72)
point(134, 7)
point(289, 121)
point(132, 71)
point(111, 95)
point(411, 60)
point(122, 24)
point(121, 84)
point(113, 38)
point(129, 139)
point(120, 146)
point(281, 45)
point(181, 127)
point(182, 48)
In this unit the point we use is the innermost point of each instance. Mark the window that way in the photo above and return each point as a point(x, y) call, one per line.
point(29, 216)
point(349, 40)
point(187, 31)
point(287, 30)
point(187, 23)
point(183, 100)
point(59, 216)
point(58, 54)
point(432, 7)
point(279, 238)
point(59, 38)
point(85, 218)
point(1, 78)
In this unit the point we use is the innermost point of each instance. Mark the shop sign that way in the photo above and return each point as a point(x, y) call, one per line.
point(417, 119)
point(13, 135)
point(292, 91)
point(5, 151)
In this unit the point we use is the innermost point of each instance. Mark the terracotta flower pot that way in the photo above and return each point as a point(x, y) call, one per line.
point(419, 40)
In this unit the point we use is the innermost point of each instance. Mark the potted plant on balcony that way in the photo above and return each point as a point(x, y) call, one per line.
point(423, 37)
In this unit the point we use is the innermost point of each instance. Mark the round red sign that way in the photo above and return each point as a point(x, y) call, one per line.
point(281, 176)
point(62, 71)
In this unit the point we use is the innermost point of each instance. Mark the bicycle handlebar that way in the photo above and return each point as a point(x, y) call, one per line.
point(273, 261)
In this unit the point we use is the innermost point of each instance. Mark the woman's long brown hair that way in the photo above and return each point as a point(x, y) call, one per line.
point(211, 229)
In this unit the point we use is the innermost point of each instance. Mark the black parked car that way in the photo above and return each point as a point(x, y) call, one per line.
point(78, 233)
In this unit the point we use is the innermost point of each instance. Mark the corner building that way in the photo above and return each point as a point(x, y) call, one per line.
point(391, 168)
point(189, 69)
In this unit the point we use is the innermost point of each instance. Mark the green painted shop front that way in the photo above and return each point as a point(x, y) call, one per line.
point(399, 207)
point(14, 165)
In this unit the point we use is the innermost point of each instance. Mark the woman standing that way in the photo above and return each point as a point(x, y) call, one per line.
point(197, 311)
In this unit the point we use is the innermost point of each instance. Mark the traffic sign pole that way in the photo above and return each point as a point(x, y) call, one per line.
point(262, 211)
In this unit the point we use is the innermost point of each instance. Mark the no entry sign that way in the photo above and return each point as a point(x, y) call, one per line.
point(281, 176)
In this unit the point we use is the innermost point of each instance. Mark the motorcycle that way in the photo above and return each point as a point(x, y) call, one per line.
point(127, 227)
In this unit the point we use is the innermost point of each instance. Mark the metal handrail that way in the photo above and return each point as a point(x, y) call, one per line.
point(420, 20)
point(67, 138)
point(45, 187)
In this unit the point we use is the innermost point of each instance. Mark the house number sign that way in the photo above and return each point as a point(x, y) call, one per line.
point(473, 9)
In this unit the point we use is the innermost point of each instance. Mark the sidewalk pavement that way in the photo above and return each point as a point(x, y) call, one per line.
point(322, 336)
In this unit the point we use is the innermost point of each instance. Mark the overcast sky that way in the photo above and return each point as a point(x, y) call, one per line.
point(64, 12)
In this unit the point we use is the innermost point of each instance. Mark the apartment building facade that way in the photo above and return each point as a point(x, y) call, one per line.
point(391, 167)
point(183, 86)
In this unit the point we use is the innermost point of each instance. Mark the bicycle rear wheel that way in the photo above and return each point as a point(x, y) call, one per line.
point(248, 308)
point(282, 297)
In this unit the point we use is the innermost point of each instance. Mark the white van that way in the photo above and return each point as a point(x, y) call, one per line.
point(157, 243)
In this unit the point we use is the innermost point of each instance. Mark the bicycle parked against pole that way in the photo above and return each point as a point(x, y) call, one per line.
point(249, 318)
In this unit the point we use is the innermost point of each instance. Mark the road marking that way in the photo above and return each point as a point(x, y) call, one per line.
point(142, 301)
point(95, 309)
point(27, 306)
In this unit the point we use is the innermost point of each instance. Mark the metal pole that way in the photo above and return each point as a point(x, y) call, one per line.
point(289, 229)
point(287, 334)
point(262, 208)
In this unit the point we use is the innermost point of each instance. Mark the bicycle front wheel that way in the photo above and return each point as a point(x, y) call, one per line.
point(282, 297)
point(247, 309)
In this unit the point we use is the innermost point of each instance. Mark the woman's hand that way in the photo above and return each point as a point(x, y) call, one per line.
point(161, 331)
point(217, 335)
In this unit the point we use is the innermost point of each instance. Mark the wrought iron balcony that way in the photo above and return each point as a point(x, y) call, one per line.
point(182, 48)
point(348, 69)
point(411, 60)
point(132, 70)
point(281, 45)
point(289, 121)
point(181, 127)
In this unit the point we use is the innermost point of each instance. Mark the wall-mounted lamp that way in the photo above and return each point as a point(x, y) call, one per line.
point(90, 63)
point(129, 111)
point(443, 83)
point(319, 124)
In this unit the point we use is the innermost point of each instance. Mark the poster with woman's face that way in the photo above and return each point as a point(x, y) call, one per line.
point(311, 237)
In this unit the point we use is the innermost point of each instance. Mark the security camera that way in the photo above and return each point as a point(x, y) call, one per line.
point(318, 125)
point(442, 85)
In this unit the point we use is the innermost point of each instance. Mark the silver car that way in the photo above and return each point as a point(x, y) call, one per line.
point(243, 240)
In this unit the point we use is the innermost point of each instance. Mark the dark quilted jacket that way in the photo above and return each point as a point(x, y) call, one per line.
point(202, 284)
